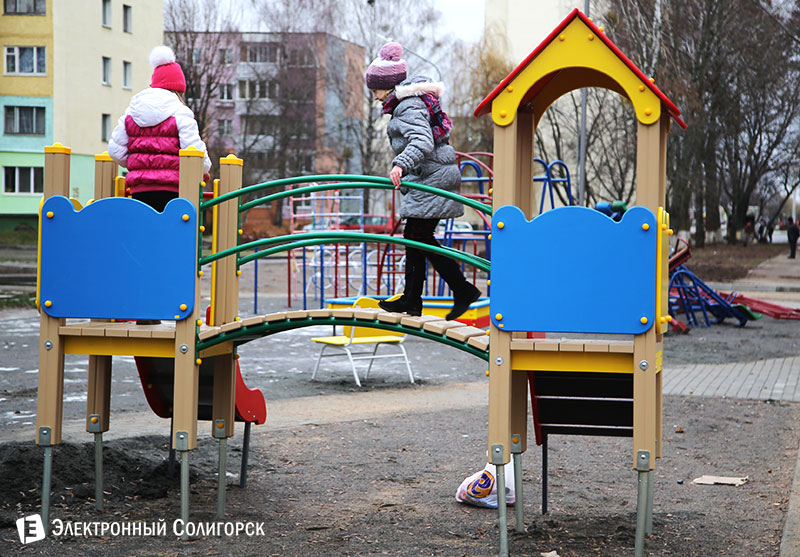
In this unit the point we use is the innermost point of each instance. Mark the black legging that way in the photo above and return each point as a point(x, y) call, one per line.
point(422, 230)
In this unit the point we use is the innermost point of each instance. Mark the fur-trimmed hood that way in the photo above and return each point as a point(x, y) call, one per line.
point(417, 86)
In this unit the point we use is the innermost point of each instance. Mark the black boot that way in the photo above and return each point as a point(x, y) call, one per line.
point(411, 300)
point(462, 300)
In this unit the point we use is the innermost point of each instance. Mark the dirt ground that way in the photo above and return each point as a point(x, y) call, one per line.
point(386, 486)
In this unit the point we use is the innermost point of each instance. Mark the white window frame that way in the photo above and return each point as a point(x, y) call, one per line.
point(105, 71)
point(40, 4)
point(225, 127)
point(105, 127)
point(12, 52)
point(127, 19)
point(31, 185)
point(226, 92)
point(36, 109)
point(127, 74)
point(105, 13)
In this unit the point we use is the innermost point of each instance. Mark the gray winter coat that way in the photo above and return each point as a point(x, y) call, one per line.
point(411, 139)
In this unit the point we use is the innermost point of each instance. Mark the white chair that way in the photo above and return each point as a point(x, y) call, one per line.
point(356, 336)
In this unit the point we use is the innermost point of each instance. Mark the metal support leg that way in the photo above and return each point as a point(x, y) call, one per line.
point(544, 473)
point(182, 445)
point(516, 454)
point(219, 433)
point(650, 482)
point(96, 427)
point(643, 470)
point(47, 474)
point(98, 471)
point(245, 454)
point(502, 518)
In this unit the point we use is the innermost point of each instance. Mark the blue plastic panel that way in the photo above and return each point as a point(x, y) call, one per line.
point(118, 258)
point(573, 269)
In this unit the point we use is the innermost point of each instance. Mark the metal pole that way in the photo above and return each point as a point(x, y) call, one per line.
point(245, 454)
point(642, 469)
point(582, 142)
point(47, 474)
point(222, 478)
point(184, 492)
point(98, 471)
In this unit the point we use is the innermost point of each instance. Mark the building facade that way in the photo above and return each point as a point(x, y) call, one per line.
point(70, 68)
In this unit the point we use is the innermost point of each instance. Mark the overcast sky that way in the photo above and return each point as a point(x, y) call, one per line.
point(463, 18)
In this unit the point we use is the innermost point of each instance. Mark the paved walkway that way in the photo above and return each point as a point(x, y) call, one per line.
point(776, 280)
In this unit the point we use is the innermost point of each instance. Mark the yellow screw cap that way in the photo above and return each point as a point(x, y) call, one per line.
point(48, 303)
point(487, 373)
point(50, 214)
point(663, 227)
point(202, 228)
point(648, 111)
point(645, 226)
point(491, 190)
point(503, 114)
point(498, 316)
point(641, 88)
point(220, 425)
point(237, 318)
point(199, 322)
point(590, 37)
point(177, 316)
point(198, 361)
point(515, 439)
point(510, 88)
point(236, 356)
point(501, 225)
point(183, 307)
point(185, 217)
point(669, 319)
point(240, 231)
point(643, 320)
point(489, 282)
point(562, 37)
point(670, 232)
point(94, 419)
point(238, 272)
point(200, 273)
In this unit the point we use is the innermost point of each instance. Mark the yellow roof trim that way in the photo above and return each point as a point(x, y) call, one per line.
point(577, 48)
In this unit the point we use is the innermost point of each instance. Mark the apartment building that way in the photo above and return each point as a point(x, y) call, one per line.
point(70, 68)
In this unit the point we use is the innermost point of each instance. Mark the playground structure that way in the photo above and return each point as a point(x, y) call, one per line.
point(607, 381)
point(150, 269)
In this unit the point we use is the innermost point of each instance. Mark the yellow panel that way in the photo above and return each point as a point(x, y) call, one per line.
point(577, 47)
point(118, 346)
point(217, 350)
point(603, 362)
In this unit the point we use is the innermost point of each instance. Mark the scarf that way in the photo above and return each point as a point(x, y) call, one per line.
point(440, 121)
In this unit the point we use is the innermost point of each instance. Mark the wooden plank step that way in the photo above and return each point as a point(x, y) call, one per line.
point(463, 334)
point(440, 326)
point(390, 317)
point(480, 342)
point(418, 321)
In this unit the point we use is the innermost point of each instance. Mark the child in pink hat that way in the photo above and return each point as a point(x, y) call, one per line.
point(152, 131)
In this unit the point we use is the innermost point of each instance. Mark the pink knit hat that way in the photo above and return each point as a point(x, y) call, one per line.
point(167, 74)
point(388, 69)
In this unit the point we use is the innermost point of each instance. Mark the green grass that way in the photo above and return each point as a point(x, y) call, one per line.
point(23, 237)
point(18, 300)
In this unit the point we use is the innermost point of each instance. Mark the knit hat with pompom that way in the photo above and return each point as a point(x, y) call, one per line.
point(167, 74)
point(388, 69)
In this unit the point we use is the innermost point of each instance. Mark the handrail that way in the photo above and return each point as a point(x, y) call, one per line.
point(334, 182)
point(332, 237)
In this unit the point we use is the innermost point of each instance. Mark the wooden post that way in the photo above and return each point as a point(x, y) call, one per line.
point(50, 402)
point(184, 410)
point(226, 295)
point(98, 400)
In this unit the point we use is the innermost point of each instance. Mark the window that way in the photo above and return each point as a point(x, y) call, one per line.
point(242, 89)
point(197, 56)
point(105, 127)
point(226, 127)
point(226, 56)
point(226, 92)
point(106, 12)
point(106, 80)
point(260, 52)
point(24, 7)
point(258, 89)
point(126, 75)
point(127, 19)
point(21, 60)
point(23, 179)
point(301, 58)
point(24, 120)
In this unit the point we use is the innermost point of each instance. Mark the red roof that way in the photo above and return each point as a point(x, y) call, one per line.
point(672, 110)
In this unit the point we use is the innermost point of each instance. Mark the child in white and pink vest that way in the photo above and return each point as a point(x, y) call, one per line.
point(152, 131)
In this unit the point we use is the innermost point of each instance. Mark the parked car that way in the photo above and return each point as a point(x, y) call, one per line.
point(459, 227)
point(373, 224)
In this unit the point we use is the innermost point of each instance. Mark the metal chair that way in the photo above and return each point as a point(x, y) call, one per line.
point(357, 336)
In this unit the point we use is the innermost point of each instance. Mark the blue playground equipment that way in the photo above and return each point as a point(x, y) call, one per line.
point(549, 180)
point(689, 294)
